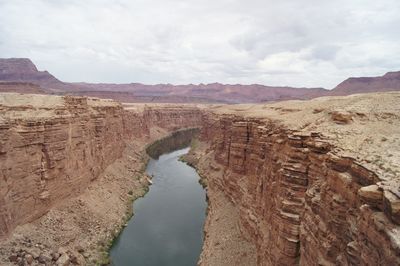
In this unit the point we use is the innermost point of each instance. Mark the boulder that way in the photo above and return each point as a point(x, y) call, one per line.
point(63, 260)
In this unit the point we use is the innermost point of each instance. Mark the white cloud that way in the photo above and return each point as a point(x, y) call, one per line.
point(297, 43)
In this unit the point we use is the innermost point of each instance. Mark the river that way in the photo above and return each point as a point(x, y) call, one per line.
point(167, 226)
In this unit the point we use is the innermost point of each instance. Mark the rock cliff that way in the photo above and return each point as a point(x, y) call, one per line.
point(53, 147)
point(290, 183)
point(303, 198)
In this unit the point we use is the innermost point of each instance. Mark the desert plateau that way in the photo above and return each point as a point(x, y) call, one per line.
point(209, 133)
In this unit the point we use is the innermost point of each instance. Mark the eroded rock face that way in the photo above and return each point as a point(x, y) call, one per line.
point(46, 160)
point(299, 201)
point(51, 147)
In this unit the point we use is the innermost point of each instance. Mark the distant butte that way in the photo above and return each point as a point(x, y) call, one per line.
point(23, 71)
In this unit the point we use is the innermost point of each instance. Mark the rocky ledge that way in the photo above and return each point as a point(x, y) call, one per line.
point(290, 183)
point(69, 169)
point(314, 182)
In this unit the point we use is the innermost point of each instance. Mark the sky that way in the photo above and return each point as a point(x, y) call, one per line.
point(302, 43)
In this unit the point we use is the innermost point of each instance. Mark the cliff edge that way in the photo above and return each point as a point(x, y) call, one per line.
point(314, 182)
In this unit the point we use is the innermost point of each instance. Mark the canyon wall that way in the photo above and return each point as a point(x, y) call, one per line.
point(302, 199)
point(52, 147)
point(176, 140)
point(299, 201)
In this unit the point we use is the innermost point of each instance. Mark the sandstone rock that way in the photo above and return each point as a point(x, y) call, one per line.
point(44, 258)
point(61, 250)
point(372, 195)
point(319, 146)
point(299, 199)
point(79, 248)
point(392, 206)
point(62, 144)
point(341, 117)
point(35, 252)
point(29, 259)
point(63, 260)
point(13, 258)
point(55, 256)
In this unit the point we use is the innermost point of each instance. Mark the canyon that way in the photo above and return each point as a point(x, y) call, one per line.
point(290, 183)
point(314, 182)
point(70, 166)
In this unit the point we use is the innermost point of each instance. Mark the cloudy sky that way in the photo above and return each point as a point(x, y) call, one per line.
point(297, 43)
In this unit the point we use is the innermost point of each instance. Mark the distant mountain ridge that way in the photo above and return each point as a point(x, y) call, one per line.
point(388, 82)
point(23, 70)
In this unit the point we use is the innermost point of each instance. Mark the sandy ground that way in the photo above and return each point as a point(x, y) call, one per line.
point(37, 106)
point(363, 126)
point(224, 242)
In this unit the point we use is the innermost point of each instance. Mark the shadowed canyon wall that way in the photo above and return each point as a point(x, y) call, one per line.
point(176, 140)
point(51, 148)
point(299, 202)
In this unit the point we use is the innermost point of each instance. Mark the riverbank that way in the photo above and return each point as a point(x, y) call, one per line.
point(70, 168)
point(83, 226)
point(313, 181)
point(224, 241)
point(167, 228)
point(87, 226)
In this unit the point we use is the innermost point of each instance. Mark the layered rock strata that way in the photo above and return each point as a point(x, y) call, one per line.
point(52, 148)
point(176, 140)
point(308, 182)
point(302, 199)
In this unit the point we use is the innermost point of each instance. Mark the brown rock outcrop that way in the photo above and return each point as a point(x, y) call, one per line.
point(306, 189)
point(301, 200)
point(52, 147)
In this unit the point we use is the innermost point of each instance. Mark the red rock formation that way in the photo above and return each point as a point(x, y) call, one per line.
point(52, 150)
point(299, 202)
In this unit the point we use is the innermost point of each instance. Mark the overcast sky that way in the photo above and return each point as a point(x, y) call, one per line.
point(297, 43)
